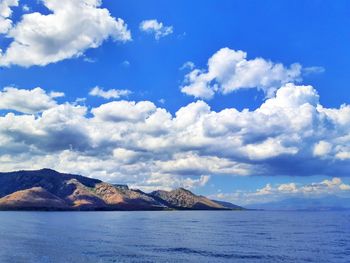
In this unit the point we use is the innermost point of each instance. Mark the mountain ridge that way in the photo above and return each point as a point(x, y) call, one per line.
point(47, 189)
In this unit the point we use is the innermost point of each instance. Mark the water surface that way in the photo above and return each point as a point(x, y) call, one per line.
point(174, 236)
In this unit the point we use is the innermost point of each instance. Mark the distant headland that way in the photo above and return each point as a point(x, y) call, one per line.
point(49, 190)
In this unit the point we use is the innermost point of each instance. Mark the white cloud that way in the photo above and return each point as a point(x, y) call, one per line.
point(5, 7)
point(109, 94)
point(144, 145)
point(313, 70)
point(230, 70)
point(343, 155)
point(288, 188)
point(71, 28)
point(268, 149)
point(126, 63)
point(25, 8)
point(124, 111)
point(322, 148)
point(156, 28)
point(89, 60)
point(5, 15)
point(326, 187)
point(188, 65)
point(56, 94)
point(191, 164)
point(27, 101)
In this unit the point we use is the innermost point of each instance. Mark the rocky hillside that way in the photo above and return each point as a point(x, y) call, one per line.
point(184, 199)
point(49, 190)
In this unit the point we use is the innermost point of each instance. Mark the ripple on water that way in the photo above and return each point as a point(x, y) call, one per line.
point(244, 237)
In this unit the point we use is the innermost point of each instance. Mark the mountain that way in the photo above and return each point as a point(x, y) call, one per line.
point(184, 199)
point(326, 203)
point(50, 190)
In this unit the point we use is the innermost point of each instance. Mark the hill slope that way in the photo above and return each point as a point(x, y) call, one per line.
point(47, 189)
point(184, 199)
point(33, 198)
point(50, 190)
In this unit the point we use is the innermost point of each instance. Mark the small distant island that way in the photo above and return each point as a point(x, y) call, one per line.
point(49, 190)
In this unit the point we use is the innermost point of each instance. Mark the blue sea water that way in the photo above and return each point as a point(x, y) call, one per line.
point(174, 236)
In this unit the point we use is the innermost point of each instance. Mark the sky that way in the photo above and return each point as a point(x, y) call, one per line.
point(245, 101)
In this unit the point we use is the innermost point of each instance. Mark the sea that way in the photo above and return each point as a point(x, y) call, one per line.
point(174, 236)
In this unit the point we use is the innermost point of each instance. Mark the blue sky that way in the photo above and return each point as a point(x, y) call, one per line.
point(121, 56)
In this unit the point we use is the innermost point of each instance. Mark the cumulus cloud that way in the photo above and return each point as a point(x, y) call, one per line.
point(155, 28)
point(27, 101)
point(124, 111)
point(270, 193)
point(109, 94)
point(144, 145)
point(230, 70)
point(70, 29)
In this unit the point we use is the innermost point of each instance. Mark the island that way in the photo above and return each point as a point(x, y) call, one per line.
point(49, 190)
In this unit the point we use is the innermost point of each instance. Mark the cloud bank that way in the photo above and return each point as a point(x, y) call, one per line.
point(137, 142)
